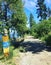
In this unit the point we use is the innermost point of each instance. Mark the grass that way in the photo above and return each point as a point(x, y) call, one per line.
point(16, 52)
point(9, 60)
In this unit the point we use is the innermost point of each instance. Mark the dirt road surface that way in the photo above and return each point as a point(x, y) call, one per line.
point(35, 53)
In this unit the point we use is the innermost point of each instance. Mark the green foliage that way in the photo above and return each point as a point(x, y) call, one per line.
point(43, 28)
point(48, 39)
point(19, 19)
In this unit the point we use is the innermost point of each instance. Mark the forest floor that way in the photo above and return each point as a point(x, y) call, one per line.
point(35, 53)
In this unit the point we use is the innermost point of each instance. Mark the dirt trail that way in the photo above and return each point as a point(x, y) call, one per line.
point(39, 57)
point(43, 58)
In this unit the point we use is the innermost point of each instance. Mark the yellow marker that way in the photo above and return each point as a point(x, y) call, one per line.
point(6, 51)
point(5, 38)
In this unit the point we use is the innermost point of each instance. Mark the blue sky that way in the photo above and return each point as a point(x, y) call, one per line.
point(30, 7)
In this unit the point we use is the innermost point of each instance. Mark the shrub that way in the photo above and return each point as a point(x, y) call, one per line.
point(43, 28)
point(48, 39)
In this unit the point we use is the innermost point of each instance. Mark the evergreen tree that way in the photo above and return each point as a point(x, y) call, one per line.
point(41, 9)
point(32, 24)
point(19, 18)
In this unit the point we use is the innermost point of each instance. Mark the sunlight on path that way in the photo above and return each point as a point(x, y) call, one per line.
point(43, 58)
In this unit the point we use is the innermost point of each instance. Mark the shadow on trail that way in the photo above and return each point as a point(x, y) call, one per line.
point(16, 44)
point(33, 47)
point(48, 48)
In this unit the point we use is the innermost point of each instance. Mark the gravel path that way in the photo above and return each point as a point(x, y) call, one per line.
point(40, 57)
point(43, 58)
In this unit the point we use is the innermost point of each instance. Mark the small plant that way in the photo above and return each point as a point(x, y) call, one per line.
point(22, 49)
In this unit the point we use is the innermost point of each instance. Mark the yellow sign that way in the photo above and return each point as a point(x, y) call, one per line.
point(5, 38)
point(6, 50)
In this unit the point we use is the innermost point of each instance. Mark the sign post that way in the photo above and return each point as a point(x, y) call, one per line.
point(5, 39)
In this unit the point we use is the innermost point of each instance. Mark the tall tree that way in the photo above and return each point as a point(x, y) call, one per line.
point(32, 24)
point(41, 9)
point(19, 18)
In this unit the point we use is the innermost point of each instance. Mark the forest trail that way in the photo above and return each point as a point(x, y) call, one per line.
point(35, 53)
point(42, 58)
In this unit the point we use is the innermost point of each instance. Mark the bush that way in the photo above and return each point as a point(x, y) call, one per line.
point(48, 39)
point(43, 28)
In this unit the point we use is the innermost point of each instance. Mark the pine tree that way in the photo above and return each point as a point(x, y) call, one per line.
point(41, 9)
point(19, 18)
point(32, 24)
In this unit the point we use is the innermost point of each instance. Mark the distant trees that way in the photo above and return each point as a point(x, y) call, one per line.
point(32, 25)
